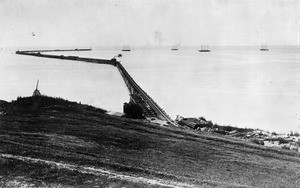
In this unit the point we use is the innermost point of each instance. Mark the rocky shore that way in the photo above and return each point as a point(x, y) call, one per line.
point(271, 139)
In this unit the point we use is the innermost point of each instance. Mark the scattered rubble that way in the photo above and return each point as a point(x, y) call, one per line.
point(257, 136)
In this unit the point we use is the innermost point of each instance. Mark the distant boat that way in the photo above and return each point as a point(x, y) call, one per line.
point(264, 48)
point(174, 47)
point(83, 49)
point(204, 48)
point(126, 49)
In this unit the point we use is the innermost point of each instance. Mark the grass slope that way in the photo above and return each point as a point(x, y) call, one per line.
point(54, 142)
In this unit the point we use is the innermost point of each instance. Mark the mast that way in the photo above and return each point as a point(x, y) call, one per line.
point(298, 34)
point(37, 84)
point(36, 91)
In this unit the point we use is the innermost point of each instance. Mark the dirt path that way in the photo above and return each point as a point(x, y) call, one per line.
point(98, 172)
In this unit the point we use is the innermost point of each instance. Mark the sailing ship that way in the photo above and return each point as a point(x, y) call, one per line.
point(264, 48)
point(174, 47)
point(80, 49)
point(126, 49)
point(204, 48)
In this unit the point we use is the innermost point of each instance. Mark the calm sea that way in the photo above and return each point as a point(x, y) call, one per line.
point(238, 86)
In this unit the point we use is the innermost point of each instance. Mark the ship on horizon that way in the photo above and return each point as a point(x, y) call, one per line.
point(126, 49)
point(83, 49)
point(204, 48)
point(264, 48)
point(174, 47)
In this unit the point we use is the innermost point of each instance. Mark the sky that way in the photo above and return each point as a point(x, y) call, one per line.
point(89, 23)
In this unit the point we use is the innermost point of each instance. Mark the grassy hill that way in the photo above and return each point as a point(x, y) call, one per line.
point(48, 142)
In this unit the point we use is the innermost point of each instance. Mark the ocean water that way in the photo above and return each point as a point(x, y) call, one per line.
point(238, 86)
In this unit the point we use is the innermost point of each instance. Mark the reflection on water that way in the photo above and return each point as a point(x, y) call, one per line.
point(236, 86)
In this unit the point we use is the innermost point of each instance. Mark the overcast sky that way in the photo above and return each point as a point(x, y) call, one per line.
point(92, 23)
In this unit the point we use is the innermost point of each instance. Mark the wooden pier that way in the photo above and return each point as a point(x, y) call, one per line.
point(137, 94)
point(57, 50)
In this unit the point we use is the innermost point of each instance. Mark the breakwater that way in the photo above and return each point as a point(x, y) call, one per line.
point(137, 94)
point(57, 50)
point(63, 57)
